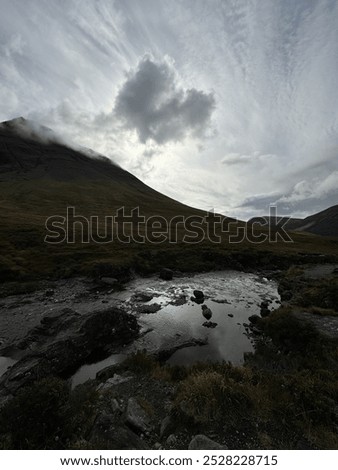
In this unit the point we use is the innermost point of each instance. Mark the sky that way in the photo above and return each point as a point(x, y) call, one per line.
point(229, 105)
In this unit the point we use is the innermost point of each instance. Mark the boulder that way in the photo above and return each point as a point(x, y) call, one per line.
point(108, 434)
point(166, 274)
point(136, 416)
point(201, 442)
point(171, 441)
point(254, 319)
point(167, 427)
point(153, 308)
point(77, 338)
point(206, 312)
point(198, 294)
point(142, 297)
point(197, 301)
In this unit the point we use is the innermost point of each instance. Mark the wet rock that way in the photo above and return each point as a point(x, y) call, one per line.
point(153, 308)
point(108, 434)
point(197, 301)
point(206, 312)
point(136, 416)
point(254, 319)
point(201, 442)
point(264, 304)
point(181, 300)
point(198, 294)
point(209, 324)
point(115, 380)
point(101, 331)
point(142, 297)
point(164, 354)
point(166, 274)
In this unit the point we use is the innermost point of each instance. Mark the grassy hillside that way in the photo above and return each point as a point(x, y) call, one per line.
point(39, 180)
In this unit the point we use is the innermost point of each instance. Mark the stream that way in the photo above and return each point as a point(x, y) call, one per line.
point(179, 324)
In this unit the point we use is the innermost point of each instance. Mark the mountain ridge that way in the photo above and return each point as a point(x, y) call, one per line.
point(323, 223)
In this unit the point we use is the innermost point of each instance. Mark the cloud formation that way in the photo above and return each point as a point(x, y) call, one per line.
point(132, 80)
point(152, 102)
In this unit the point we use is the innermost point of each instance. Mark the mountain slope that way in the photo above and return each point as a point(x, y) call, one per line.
point(39, 172)
point(40, 177)
point(324, 223)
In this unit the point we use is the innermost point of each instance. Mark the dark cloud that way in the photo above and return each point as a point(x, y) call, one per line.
point(152, 102)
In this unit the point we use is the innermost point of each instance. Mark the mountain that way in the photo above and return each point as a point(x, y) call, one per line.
point(40, 173)
point(41, 176)
point(324, 223)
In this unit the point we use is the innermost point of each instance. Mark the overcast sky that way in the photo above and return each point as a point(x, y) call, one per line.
point(224, 104)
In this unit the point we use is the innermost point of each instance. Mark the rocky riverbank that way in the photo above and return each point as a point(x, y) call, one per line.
point(284, 396)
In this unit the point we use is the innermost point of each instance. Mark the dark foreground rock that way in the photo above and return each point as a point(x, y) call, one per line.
point(198, 294)
point(107, 433)
point(136, 416)
point(166, 274)
point(255, 319)
point(78, 338)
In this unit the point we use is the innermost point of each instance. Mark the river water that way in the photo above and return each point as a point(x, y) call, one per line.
point(231, 296)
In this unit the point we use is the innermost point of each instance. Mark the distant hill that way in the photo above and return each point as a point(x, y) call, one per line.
point(324, 223)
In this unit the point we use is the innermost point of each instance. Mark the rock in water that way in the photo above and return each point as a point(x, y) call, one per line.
point(201, 442)
point(209, 324)
point(142, 297)
point(152, 308)
point(198, 294)
point(206, 312)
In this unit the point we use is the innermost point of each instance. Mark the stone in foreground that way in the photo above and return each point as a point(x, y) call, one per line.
point(136, 416)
